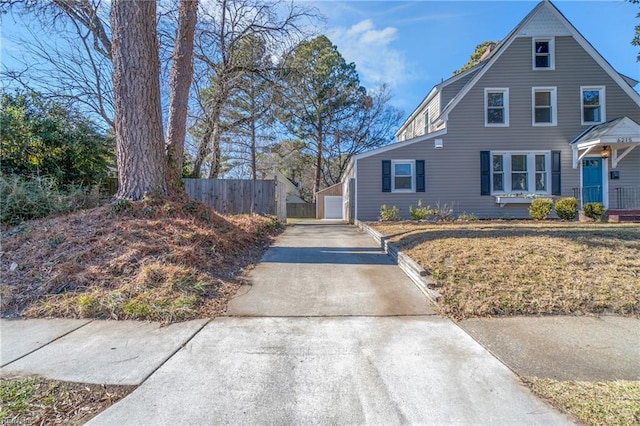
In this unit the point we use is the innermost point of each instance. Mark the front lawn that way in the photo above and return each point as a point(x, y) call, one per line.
point(526, 268)
point(593, 403)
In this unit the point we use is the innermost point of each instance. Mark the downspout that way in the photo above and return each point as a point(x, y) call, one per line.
point(355, 192)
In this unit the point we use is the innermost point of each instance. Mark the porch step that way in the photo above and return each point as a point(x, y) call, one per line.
point(620, 215)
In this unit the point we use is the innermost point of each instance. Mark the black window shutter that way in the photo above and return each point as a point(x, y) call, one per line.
point(485, 173)
point(556, 188)
point(386, 175)
point(420, 176)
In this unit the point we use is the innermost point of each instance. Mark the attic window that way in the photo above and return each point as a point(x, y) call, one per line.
point(543, 54)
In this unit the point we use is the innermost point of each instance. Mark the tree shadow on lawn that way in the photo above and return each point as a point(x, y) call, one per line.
point(605, 237)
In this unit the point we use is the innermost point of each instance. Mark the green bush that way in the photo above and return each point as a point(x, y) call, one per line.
point(467, 217)
point(594, 210)
point(24, 199)
point(540, 208)
point(389, 214)
point(420, 212)
point(39, 137)
point(567, 208)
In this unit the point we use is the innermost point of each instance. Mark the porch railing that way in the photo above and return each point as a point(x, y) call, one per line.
point(622, 197)
point(588, 194)
point(625, 197)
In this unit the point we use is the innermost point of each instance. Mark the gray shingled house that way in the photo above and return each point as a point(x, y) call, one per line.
point(544, 114)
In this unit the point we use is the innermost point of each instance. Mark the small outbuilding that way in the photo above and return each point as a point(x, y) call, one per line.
point(329, 203)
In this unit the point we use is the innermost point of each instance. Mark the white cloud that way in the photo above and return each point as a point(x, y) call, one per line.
point(377, 61)
point(360, 27)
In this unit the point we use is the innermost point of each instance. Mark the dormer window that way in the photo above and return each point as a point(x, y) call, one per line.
point(425, 119)
point(543, 54)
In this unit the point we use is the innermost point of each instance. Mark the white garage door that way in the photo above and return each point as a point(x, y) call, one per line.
point(333, 207)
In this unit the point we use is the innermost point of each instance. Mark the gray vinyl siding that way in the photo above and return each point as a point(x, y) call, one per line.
point(453, 173)
point(629, 168)
point(449, 91)
point(369, 182)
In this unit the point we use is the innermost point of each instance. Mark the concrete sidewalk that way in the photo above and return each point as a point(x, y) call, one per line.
point(563, 347)
point(102, 352)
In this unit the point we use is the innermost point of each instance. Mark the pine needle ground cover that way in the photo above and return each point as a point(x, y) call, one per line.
point(157, 259)
point(526, 268)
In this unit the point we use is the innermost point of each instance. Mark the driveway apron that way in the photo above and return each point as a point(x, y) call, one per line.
point(330, 331)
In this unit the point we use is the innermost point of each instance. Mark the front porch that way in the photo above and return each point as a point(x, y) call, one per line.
point(623, 202)
point(609, 169)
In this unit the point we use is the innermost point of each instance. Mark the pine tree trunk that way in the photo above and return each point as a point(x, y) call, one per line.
point(142, 162)
point(179, 83)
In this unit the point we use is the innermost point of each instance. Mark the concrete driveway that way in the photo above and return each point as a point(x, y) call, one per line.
point(330, 332)
point(333, 269)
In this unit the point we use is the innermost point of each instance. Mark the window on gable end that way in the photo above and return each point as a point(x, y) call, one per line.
point(543, 54)
point(544, 106)
point(496, 109)
point(592, 101)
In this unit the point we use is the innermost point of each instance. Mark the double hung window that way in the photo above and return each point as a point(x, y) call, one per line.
point(496, 103)
point(402, 179)
point(544, 106)
point(592, 101)
point(543, 54)
point(425, 118)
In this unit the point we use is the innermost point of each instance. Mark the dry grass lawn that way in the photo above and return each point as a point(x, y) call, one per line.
point(593, 403)
point(524, 267)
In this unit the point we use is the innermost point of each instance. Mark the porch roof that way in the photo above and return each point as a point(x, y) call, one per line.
point(621, 136)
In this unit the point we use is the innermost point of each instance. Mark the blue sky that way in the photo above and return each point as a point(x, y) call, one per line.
point(412, 45)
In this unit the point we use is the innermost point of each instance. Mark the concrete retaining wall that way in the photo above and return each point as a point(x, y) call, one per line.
point(415, 272)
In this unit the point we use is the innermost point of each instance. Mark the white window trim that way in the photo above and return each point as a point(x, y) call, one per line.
point(425, 119)
point(554, 106)
point(531, 172)
point(552, 53)
point(603, 103)
point(505, 94)
point(413, 176)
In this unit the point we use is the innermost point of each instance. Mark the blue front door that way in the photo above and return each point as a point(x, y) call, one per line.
point(592, 180)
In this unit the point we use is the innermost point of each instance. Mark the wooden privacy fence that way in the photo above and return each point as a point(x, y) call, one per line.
point(301, 210)
point(237, 196)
